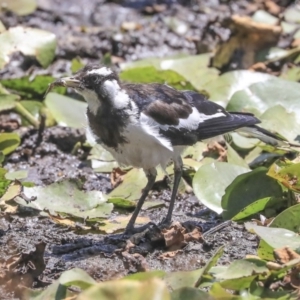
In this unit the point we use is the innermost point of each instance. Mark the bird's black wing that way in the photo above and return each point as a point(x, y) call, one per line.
point(185, 117)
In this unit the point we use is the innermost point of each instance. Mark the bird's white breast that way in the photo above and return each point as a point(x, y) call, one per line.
point(145, 148)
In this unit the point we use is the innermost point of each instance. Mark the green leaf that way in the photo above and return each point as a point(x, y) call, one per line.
point(129, 191)
point(76, 64)
point(265, 251)
point(20, 174)
point(209, 265)
point(29, 41)
point(76, 277)
point(67, 111)
point(207, 192)
point(150, 74)
point(8, 102)
point(234, 158)
point(287, 173)
point(279, 120)
point(288, 219)
point(30, 88)
point(101, 160)
point(193, 69)
point(246, 189)
point(222, 89)
point(119, 223)
point(127, 289)
point(4, 183)
point(19, 7)
point(181, 279)
point(9, 142)
point(275, 237)
point(190, 294)
point(263, 95)
point(292, 73)
point(219, 293)
point(66, 198)
point(146, 275)
point(257, 207)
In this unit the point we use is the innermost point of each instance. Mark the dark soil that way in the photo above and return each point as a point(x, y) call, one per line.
point(90, 29)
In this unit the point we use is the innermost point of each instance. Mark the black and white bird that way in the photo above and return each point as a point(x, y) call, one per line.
point(146, 125)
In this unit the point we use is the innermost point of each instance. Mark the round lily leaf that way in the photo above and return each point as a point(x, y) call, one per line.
point(279, 120)
point(150, 74)
point(288, 219)
point(67, 111)
point(76, 277)
point(190, 293)
point(130, 190)
point(275, 237)
point(211, 180)
point(181, 279)
point(65, 198)
point(9, 142)
point(239, 273)
point(8, 102)
point(193, 68)
point(234, 158)
point(221, 89)
point(263, 95)
point(29, 41)
point(127, 289)
point(257, 207)
point(19, 7)
point(29, 88)
point(246, 189)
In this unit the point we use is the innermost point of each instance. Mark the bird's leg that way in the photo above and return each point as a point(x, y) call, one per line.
point(177, 176)
point(151, 176)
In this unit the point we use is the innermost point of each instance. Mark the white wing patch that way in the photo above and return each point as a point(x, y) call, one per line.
point(101, 71)
point(191, 123)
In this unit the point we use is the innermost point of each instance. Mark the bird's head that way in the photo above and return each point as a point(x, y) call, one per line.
point(98, 85)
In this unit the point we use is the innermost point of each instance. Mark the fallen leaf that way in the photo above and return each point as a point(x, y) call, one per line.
point(285, 254)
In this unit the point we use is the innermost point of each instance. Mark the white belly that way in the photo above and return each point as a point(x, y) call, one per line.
point(144, 148)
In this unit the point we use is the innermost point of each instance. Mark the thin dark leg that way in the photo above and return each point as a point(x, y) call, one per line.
point(177, 176)
point(151, 176)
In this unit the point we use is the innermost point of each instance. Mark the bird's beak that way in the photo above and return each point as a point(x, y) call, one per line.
point(66, 82)
point(69, 82)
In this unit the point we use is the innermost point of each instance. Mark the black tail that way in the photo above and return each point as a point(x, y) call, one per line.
point(265, 136)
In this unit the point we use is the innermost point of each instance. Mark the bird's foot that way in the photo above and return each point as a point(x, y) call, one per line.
point(165, 222)
point(130, 230)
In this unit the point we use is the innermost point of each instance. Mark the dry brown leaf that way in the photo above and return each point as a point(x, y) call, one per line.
point(20, 270)
point(174, 236)
point(135, 262)
point(195, 235)
point(284, 255)
point(215, 147)
point(248, 37)
point(116, 177)
point(169, 254)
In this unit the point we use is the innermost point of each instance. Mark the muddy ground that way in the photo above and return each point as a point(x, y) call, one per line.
point(91, 33)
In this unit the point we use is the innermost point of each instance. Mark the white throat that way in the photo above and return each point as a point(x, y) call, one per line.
point(92, 100)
